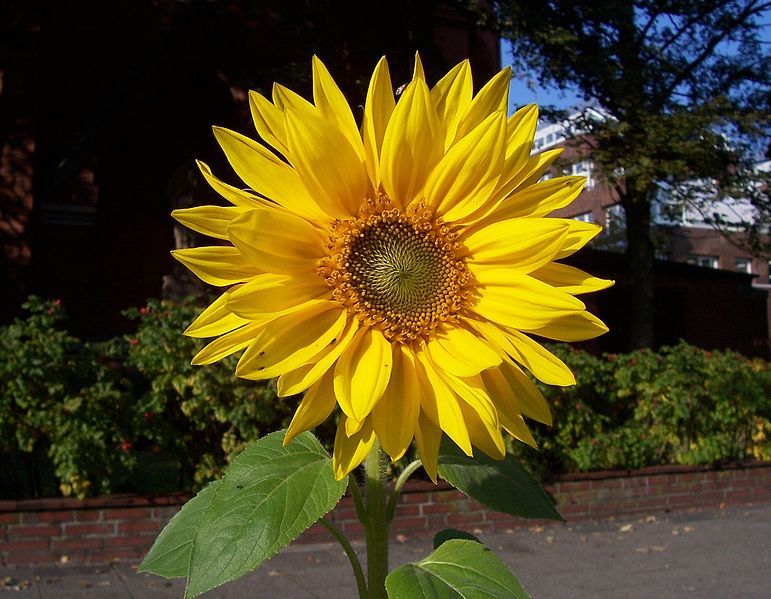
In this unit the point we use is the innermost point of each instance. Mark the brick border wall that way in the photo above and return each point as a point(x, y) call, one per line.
point(122, 527)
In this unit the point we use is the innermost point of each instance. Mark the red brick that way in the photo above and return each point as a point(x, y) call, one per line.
point(131, 513)
point(29, 557)
point(471, 518)
point(10, 518)
point(573, 486)
point(354, 527)
point(436, 508)
point(414, 497)
point(138, 527)
point(414, 523)
point(403, 511)
point(342, 514)
point(448, 496)
point(434, 520)
point(134, 541)
point(104, 530)
point(23, 532)
point(492, 516)
point(88, 515)
point(71, 544)
point(58, 516)
point(26, 545)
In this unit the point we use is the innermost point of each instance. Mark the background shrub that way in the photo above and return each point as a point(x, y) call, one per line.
point(132, 414)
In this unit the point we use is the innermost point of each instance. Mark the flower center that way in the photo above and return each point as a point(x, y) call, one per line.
point(396, 270)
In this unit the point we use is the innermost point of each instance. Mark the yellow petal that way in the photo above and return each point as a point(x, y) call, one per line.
point(327, 163)
point(464, 178)
point(292, 340)
point(269, 121)
point(474, 395)
point(209, 220)
point(579, 234)
point(333, 105)
point(411, 147)
point(516, 177)
point(377, 112)
point(238, 197)
point(460, 352)
point(362, 373)
point(218, 265)
point(296, 381)
point(227, 344)
point(314, 408)
point(523, 245)
point(271, 295)
point(216, 319)
point(350, 451)
point(570, 279)
point(452, 97)
point(395, 416)
point(284, 98)
point(266, 174)
point(441, 404)
point(576, 327)
point(493, 97)
point(428, 436)
point(520, 301)
point(529, 400)
point(418, 72)
point(541, 362)
point(509, 401)
point(537, 165)
point(278, 242)
point(541, 199)
point(520, 131)
point(484, 436)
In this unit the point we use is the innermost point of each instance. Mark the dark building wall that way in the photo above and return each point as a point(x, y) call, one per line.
point(129, 91)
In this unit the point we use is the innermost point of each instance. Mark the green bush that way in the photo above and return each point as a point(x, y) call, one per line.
point(208, 413)
point(62, 410)
point(132, 414)
point(680, 405)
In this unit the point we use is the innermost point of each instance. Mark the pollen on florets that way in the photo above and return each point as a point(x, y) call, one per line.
point(396, 270)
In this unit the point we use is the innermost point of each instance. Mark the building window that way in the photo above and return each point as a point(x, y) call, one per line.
point(615, 219)
point(744, 265)
point(584, 169)
point(701, 260)
point(550, 138)
point(586, 217)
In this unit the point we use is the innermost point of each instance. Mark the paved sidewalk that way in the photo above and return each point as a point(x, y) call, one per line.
point(717, 553)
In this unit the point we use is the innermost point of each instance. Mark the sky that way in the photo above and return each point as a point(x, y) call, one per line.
point(522, 92)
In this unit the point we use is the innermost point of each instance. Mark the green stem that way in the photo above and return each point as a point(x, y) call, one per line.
point(353, 487)
point(376, 524)
point(352, 557)
point(393, 501)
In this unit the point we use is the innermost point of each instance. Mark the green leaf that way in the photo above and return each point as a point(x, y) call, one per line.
point(502, 485)
point(457, 568)
point(170, 554)
point(270, 494)
point(448, 534)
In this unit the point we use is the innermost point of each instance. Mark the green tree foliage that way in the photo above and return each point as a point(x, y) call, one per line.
point(687, 84)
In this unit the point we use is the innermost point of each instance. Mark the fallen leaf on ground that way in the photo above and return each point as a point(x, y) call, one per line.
point(626, 528)
point(536, 529)
point(687, 529)
point(401, 538)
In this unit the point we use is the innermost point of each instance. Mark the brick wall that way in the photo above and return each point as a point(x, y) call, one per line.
point(123, 527)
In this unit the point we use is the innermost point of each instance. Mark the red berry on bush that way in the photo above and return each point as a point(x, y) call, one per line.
point(149, 415)
point(126, 445)
point(134, 341)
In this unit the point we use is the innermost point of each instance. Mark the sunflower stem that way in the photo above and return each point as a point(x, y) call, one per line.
point(393, 501)
point(352, 557)
point(376, 524)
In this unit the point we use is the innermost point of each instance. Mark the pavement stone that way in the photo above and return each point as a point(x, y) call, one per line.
point(699, 553)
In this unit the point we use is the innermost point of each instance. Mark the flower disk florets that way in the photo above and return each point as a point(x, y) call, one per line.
point(396, 270)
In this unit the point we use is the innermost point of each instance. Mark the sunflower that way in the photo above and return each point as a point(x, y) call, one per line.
point(396, 270)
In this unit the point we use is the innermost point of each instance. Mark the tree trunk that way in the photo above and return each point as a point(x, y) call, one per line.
point(640, 256)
